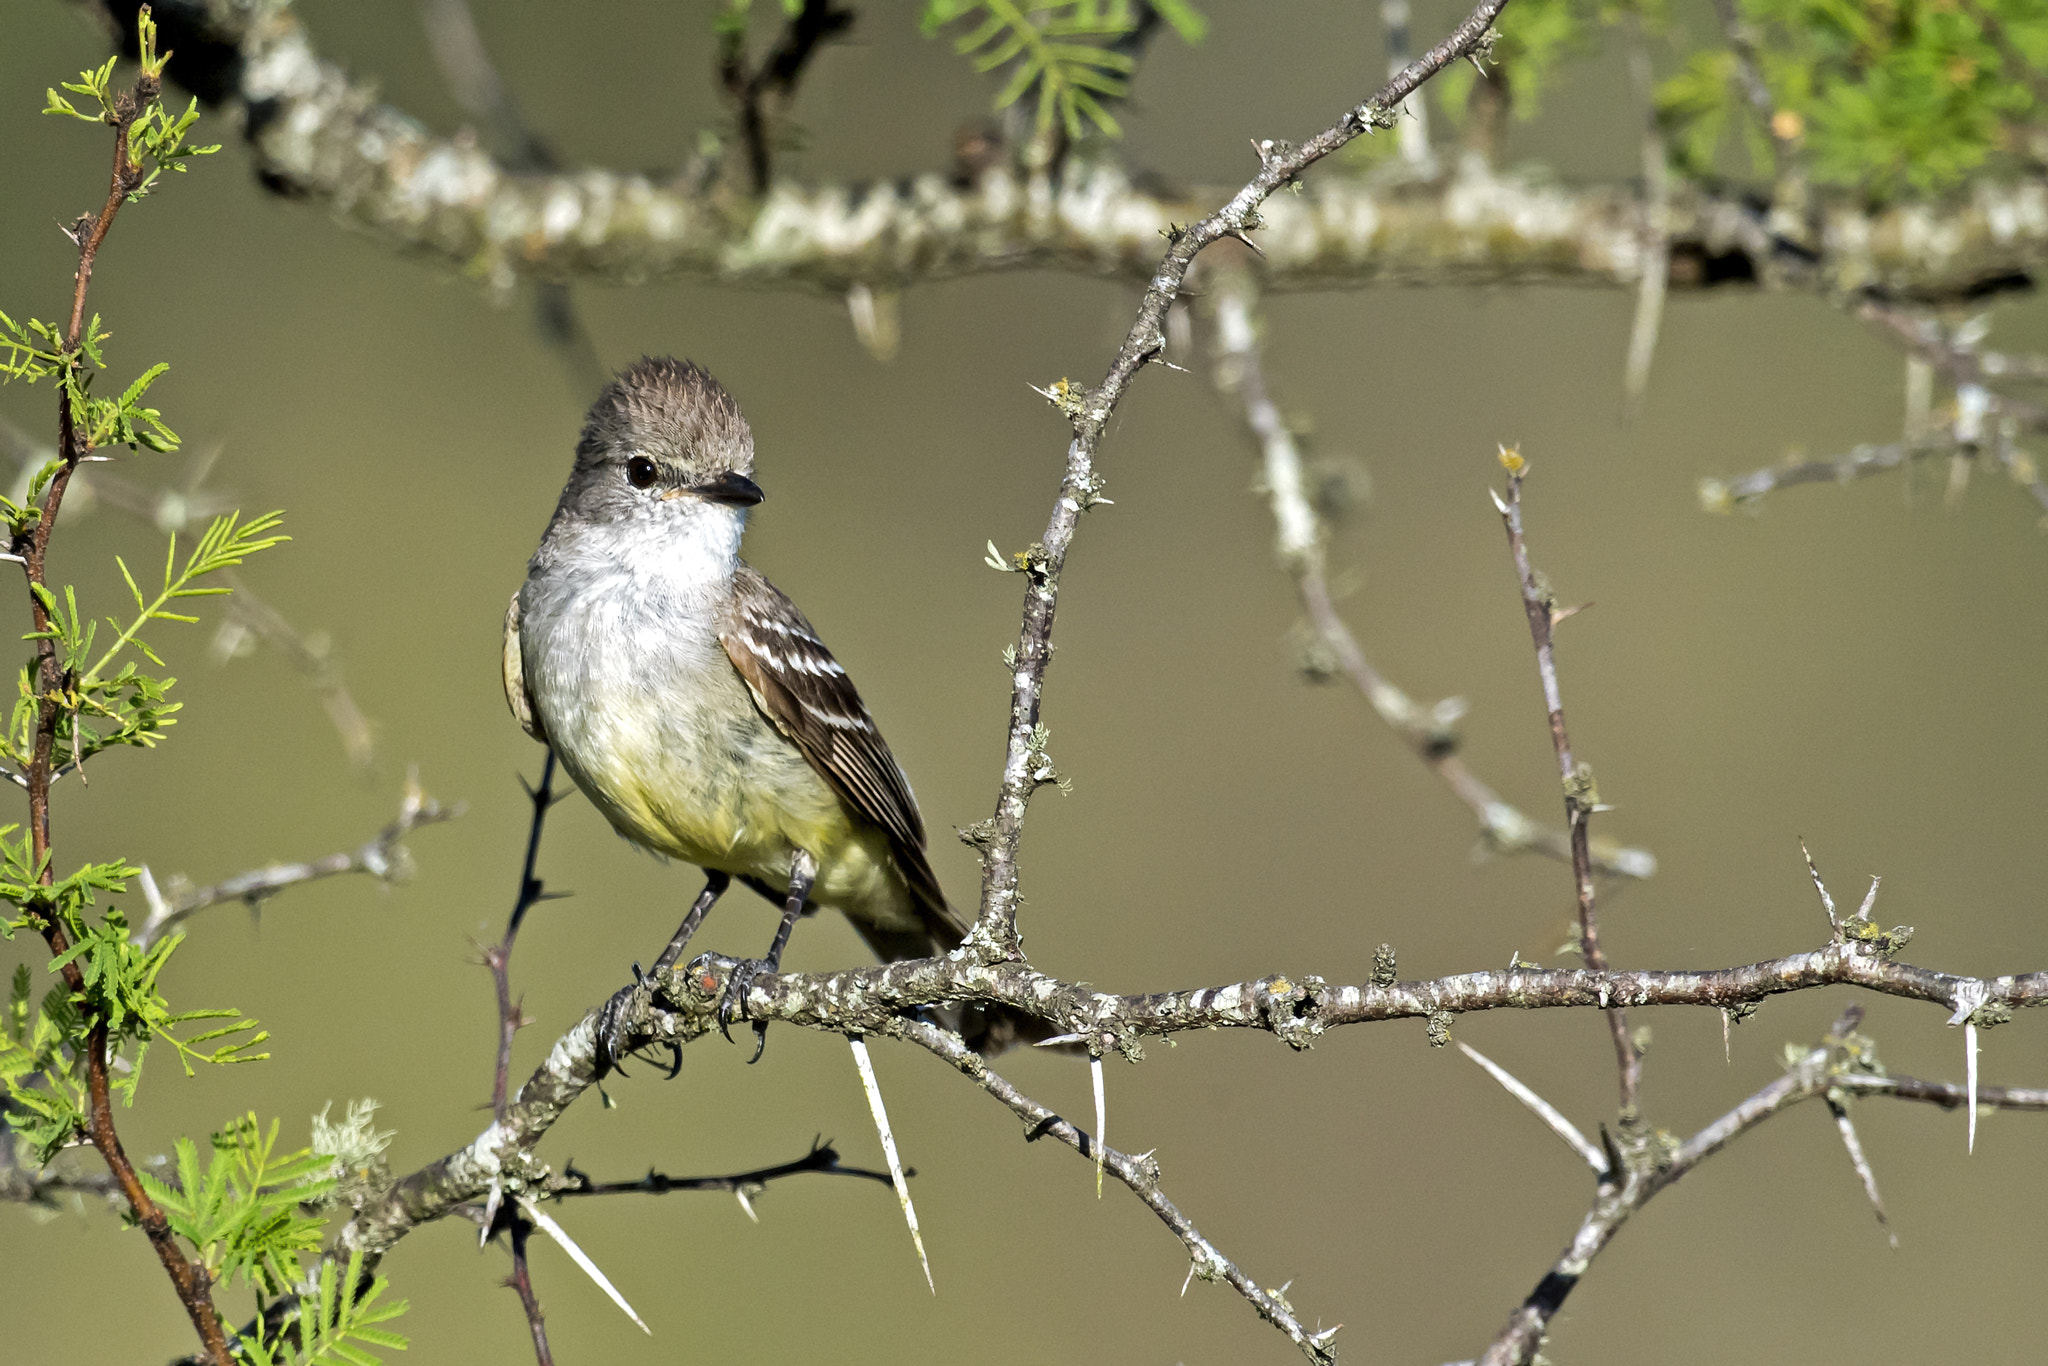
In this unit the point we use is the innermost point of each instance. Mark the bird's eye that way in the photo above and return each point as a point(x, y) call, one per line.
point(640, 472)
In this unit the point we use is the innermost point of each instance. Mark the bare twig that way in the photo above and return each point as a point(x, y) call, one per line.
point(1652, 1169)
point(511, 1016)
point(1725, 495)
point(382, 856)
point(823, 1158)
point(759, 95)
point(1982, 420)
point(1431, 732)
point(1581, 799)
point(521, 1282)
point(1835, 1067)
point(498, 957)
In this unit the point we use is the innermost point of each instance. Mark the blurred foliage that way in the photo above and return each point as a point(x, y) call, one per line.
point(1889, 97)
point(1885, 97)
point(1065, 55)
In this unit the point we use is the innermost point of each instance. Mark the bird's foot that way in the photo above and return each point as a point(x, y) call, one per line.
point(616, 1033)
point(733, 1004)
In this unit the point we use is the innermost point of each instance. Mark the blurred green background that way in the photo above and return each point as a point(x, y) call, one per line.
point(1854, 665)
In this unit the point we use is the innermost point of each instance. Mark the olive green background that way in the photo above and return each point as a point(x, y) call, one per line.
point(1854, 665)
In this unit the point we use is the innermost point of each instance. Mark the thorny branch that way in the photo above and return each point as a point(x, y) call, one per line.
point(1430, 731)
point(1026, 767)
point(1140, 1173)
point(822, 1158)
point(1581, 798)
point(1834, 1068)
point(676, 1006)
point(511, 1016)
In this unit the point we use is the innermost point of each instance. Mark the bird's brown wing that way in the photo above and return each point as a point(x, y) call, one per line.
point(516, 696)
point(807, 695)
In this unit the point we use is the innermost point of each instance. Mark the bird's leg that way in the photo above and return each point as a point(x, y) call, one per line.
point(715, 884)
point(803, 871)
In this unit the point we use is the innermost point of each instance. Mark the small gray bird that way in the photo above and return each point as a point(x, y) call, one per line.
point(693, 703)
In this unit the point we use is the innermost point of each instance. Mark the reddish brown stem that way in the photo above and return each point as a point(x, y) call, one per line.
point(1541, 609)
point(521, 1280)
point(194, 1286)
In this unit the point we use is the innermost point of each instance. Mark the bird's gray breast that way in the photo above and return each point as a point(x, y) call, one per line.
point(634, 690)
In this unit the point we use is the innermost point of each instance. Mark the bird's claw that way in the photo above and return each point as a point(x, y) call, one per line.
point(733, 1004)
point(613, 1043)
point(614, 1038)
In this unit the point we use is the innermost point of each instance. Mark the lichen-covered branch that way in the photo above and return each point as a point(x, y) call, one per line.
point(677, 1006)
point(315, 132)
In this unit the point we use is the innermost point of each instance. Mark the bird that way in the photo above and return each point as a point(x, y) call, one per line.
point(696, 706)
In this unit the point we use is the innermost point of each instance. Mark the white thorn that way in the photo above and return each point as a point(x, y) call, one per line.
point(578, 1256)
point(1101, 1119)
point(1542, 1109)
point(740, 1193)
point(1727, 1057)
point(1059, 1041)
point(881, 1114)
point(491, 1203)
point(1827, 902)
point(1970, 1074)
point(1498, 502)
point(1189, 1281)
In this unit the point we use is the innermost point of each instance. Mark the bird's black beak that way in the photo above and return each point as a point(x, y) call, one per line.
point(729, 486)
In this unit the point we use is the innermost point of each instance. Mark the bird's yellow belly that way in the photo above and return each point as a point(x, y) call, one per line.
point(742, 799)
